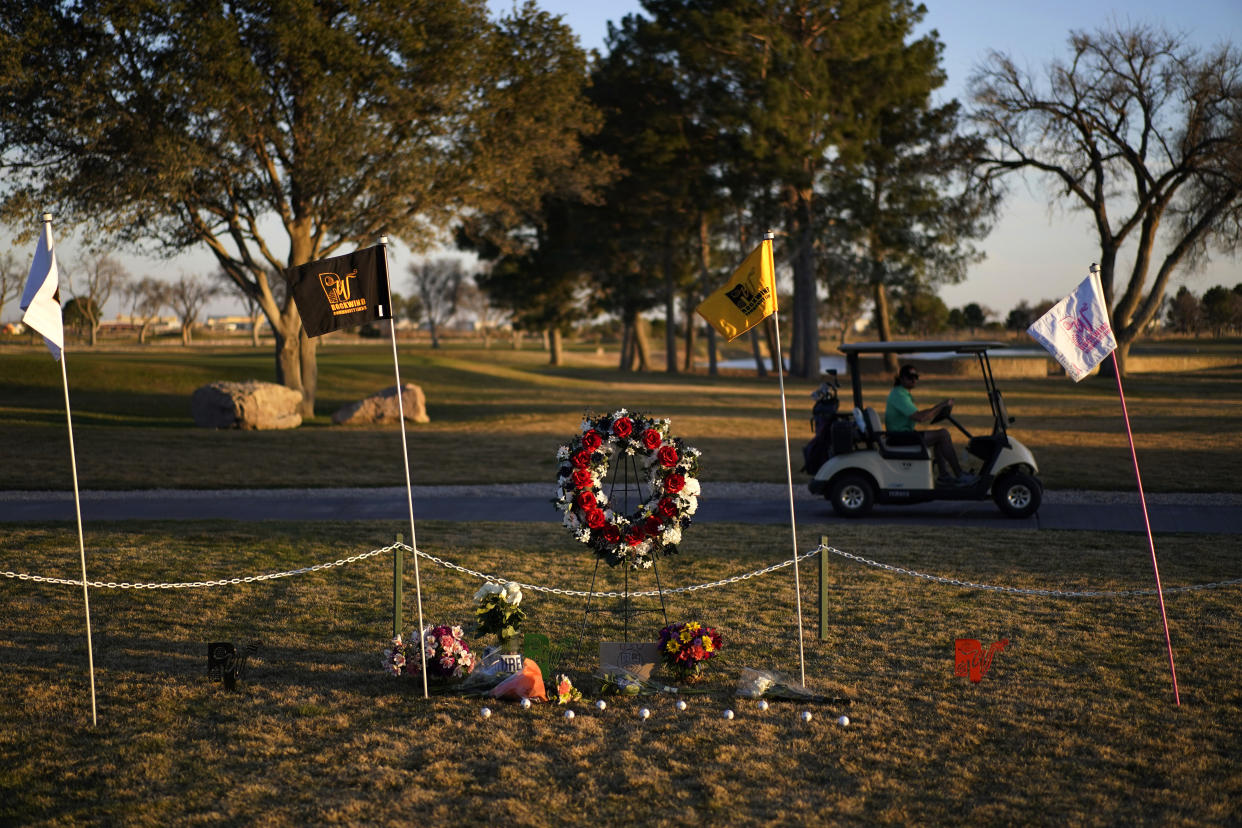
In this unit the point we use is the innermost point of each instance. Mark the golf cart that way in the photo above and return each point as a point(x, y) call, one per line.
point(861, 467)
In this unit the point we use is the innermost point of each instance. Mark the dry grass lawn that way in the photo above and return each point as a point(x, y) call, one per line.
point(1074, 723)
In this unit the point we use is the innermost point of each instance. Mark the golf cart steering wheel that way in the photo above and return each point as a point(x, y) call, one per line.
point(945, 413)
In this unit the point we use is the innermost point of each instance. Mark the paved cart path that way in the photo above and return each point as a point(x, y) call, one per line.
point(720, 502)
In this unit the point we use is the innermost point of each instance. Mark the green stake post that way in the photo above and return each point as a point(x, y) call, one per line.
point(823, 588)
point(398, 575)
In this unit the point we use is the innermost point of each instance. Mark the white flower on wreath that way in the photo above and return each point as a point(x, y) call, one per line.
point(671, 536)
point(562, 453)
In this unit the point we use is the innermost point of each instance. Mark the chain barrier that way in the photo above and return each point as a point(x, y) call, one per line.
point(249, 579)
point(576, 593)
point(1047, 593)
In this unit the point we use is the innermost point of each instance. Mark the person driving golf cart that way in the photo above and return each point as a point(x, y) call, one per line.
point(900, 416)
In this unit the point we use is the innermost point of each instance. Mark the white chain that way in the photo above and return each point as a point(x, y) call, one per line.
point(249, 579)
point(613, 594)
point(1055, 593)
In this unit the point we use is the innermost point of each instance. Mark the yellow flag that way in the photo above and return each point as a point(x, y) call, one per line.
point(745, 300)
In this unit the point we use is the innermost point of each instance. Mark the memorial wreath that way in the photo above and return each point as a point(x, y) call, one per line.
point(670, 466)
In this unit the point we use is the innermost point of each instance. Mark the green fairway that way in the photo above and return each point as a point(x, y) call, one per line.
point(498, 415)
point(1074, 723)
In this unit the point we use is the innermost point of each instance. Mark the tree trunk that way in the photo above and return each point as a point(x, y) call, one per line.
point(94, 332)
point(670, 312)
point(435, 338)
point(554, 346)
point(690, 338)
point(642, 346)
point(760, 368)
point(186, 335)
point(804, 348)
point(713, 367)
point(310, 372)
point(882, 326)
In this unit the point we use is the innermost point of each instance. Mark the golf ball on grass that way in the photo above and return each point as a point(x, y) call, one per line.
point(681, 704)
point(644, 713)
point(569, 715)
point(526, 704)
point(806, 715)
point(485, 712)
point(728, 714)
point(843, 721)
point(763, 704)
point(601, 704)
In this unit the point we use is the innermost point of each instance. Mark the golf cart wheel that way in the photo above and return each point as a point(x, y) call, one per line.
point(1017, 494)
point(852, 495)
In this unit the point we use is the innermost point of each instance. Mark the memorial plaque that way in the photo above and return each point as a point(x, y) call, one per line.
point(637, 657)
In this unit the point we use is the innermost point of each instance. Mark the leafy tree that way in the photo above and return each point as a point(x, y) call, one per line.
point(533, 272)
point(187, 296)
point(437, 282)
point(975, 316)
point(80, 313)
point(1140, 131)
point(303, 126)
point(1185, 312)
point(922, 313)
point(904, 200)
point(1222, 309)
point(12, 279)
point(98, 276)
point(145, 298)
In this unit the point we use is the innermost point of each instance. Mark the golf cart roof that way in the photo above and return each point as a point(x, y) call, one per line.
point(917, 346)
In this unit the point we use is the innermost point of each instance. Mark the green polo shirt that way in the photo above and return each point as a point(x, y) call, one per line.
point(899, 410)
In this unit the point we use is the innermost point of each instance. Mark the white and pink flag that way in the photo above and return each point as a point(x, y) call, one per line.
point(1076, 330)
point(40, 299)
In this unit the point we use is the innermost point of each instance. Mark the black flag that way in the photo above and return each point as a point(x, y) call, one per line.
point(342, 291)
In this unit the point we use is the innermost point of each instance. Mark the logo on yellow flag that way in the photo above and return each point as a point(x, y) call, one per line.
point(746, 299)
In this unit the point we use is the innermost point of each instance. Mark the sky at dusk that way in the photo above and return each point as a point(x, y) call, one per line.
point(1038, 249)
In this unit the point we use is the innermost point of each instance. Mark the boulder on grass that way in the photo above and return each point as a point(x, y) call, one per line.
point(381, 407)
point(246, 405)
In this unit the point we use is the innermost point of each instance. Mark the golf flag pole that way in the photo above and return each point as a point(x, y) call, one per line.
point(41, 306)
point(409, 491)
point(793, 521)
point(744, 301)
point(1077, 332)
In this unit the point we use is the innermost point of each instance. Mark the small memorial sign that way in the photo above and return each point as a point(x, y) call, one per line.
point(637, 657)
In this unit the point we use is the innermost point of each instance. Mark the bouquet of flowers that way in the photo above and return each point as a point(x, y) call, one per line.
point(565, 690)
point(615, 680)
point(447, 654)
point(685, 646)
point(498, 612)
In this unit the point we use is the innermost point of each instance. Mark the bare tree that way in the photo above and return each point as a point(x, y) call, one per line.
point(187, 296)
point(99, 277)
point(250, 302)
point(12, 279)
point(438, 283)
point(145, 299)
point(1135, 129)
point(488, 318)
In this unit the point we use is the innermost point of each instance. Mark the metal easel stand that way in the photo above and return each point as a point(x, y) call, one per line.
point(624, 481)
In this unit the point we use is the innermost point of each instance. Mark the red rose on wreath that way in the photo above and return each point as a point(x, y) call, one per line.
point(611, 533)
point(581, 459)
point(667, 507)
point(651, 439)
point(595, 518)
point(667, 457)
point(674, 483)
point(592, 441)
point(635, 536)
point(582, 478)
point(622, 427)
point(586, 501)
point(652, 525)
